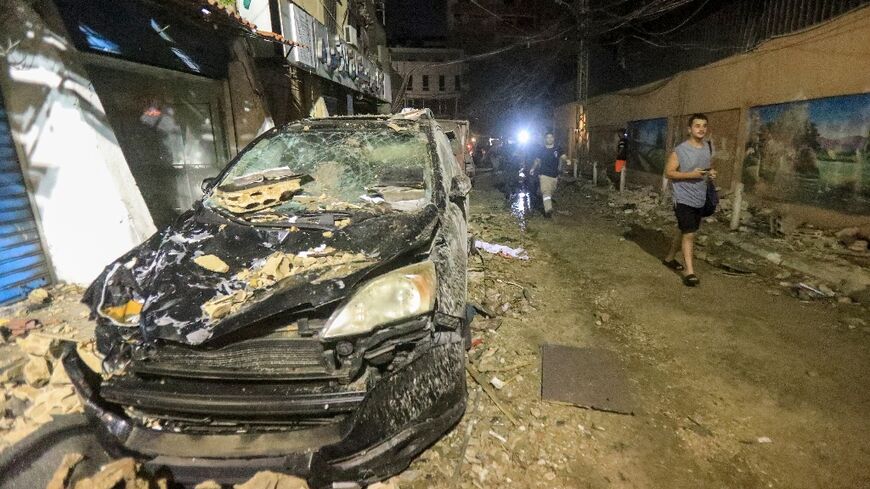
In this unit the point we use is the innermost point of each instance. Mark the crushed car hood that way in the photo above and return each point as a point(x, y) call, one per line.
point(207, 276)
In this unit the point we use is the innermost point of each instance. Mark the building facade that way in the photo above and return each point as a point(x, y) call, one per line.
point(429, 77)
point(340, 64)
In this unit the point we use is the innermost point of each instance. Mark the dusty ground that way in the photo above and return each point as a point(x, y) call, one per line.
point(735, 383)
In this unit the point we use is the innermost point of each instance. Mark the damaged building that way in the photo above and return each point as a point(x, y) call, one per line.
point(108, 128)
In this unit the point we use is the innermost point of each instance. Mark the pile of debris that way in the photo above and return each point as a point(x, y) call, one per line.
point(766, 242)
point(32, 337)
point(855, 238)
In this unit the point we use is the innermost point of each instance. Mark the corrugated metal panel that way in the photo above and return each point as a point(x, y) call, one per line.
point(22, 262)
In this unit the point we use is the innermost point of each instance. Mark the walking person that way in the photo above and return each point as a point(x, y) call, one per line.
point(546, 170)
point(688, 169)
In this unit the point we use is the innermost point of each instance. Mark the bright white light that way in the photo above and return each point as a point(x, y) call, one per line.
point(473, 140)
point(523, 136)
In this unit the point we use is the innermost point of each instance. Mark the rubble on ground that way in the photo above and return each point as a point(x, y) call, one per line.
point(35, 385)
point(764, 237)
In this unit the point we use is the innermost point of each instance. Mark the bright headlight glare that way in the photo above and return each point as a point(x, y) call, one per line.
point(400, 294)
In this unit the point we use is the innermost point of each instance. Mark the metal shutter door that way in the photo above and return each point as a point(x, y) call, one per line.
point(22, 262)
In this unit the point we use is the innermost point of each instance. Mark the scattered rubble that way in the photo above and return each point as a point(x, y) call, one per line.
point(764, 233)
point(324, 261)
point(35, 385)
point(260, 196)
point(272, 480)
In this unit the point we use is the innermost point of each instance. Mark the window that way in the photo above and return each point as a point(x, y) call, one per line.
point(410, 82)
point(442, 85)
point(457, 83)
point(425, 83)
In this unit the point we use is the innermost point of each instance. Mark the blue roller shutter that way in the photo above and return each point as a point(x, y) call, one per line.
point(22, 262)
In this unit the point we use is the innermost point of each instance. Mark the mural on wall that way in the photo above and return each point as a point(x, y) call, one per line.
point(813, 152)
point(646, 147)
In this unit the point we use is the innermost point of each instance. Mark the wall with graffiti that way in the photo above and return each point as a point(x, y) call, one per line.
point(647, 149)
point(815, 152)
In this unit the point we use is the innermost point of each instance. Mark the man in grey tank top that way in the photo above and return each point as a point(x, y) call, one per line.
point(688, 169)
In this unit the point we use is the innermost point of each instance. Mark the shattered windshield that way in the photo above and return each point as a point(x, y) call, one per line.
point(313, 169)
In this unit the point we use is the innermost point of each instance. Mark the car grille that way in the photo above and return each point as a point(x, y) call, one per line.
point(267, 359)
point(279, 381)
point(230, 400)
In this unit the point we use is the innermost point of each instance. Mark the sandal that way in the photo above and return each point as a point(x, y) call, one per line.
point(691, 280)
point(673, 265)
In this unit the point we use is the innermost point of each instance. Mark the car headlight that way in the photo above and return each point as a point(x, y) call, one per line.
point(400, 294)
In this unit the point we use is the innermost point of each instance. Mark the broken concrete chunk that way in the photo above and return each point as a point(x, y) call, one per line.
point(24, 393)
point(37, 371)
point(212, 263)
point(53, 400)
point(59, 376)
point(38, 297)
point(272, 480)
point(36, 344)
point(223, 305)
point(12, 362)
point(858, 245)
point(847, 236)
point(258, 197)
point(277, 266)
point(209, 484)
point(111, 474)
point(88, 353)
point(38, 413)
point(58, 480)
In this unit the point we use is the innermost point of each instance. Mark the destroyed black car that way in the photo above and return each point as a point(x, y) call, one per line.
point(306, 315)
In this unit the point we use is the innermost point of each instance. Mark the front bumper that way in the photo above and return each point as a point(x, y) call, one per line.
point(406, 411)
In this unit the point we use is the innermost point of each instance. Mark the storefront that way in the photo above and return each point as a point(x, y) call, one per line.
point(162, 79)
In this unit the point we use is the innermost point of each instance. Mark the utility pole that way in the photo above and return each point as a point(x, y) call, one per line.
point(582, 83)
point(581, 90)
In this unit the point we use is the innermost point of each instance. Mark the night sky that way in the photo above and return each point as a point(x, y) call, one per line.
point(410, 20)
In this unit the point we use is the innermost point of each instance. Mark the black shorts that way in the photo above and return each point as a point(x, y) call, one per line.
point(688, 218)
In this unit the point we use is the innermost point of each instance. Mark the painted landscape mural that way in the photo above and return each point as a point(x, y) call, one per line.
point(646, 146)
point(814, 152)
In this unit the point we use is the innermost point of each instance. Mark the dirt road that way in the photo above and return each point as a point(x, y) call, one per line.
point(735, 384)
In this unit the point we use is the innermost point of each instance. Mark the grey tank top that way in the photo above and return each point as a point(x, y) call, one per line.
point(691, 192)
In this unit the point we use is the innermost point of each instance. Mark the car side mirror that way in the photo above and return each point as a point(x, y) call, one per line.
point(206, 184)
point(459, 187)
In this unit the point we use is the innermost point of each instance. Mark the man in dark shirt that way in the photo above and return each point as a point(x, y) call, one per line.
point(546, 169)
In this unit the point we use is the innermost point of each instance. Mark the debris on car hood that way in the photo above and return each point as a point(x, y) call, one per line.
point(209, 275)
point(243, 197)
